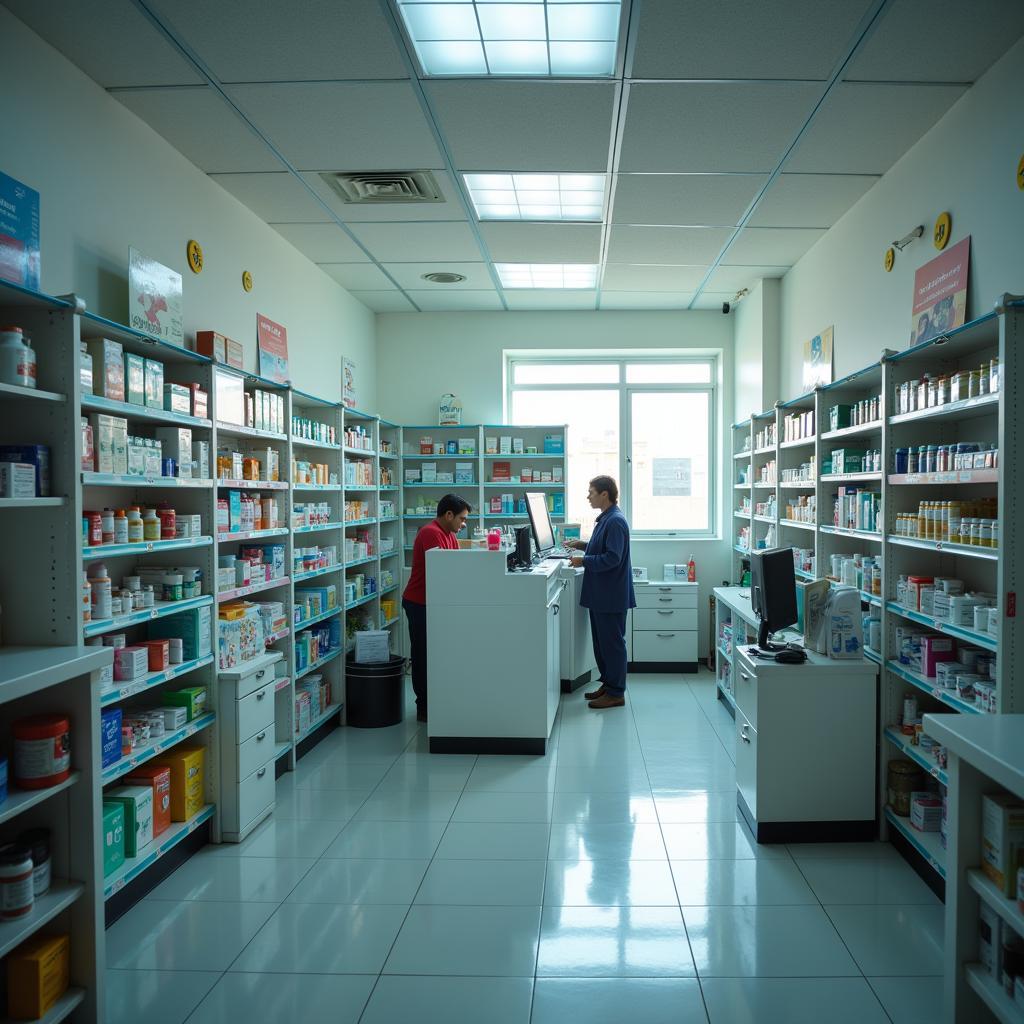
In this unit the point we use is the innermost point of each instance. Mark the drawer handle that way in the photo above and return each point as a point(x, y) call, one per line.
point(666, 611)
point(261, 736)
point(743, 675)
point(743, 734)
point(665, 590)
point(667, 636)
point(261, 773)
point(665, 600)
point(261, 694)
point(262, 672)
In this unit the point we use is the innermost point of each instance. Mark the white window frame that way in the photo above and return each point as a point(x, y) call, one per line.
point(626, 392)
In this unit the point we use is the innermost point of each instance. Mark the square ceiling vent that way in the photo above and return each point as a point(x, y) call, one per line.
point(374, 188)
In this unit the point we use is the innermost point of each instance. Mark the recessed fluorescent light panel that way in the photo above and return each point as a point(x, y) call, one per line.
point(535, 37)
point(577, 197)
point(547, 275)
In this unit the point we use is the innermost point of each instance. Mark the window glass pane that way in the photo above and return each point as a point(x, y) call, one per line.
point(593, 447)
point(668, 373)
point(565, 373)
point(669, 470)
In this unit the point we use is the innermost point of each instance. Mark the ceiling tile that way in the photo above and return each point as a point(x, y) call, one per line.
point(713, 126)
point(393, 243)
point(385, 302)
point(550, 298)
point(623, 277)
point(713, 300)
point(677, 247)
point(683, 198)
point(322, 243)
point(810, 200)
point(645, 300)
point(112, 42)
point(743, 38)
point(525, 126)
point(342, 126)
point(543, 243)
point(201, 126)
point(776, 246)
point(850, 137)
point(274, 196)
point(438, 301)
point(296, 41)
point(358, 276)
point(409, 275)
point(351, 213)
point(732, 279)
point(970, 37)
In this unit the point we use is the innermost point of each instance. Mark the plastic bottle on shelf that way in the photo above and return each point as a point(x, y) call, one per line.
point(17, 359)
point(691, 571)
point(136, 533)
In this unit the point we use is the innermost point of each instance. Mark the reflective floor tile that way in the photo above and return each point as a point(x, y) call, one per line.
point(417, 805)
point(606, 842)
point(391, 840)
point(283, 838)
point(866, 880)
point(498, 840)
point(910, 1000)
point(893, 941)
point(313, 938)
point(406, 775)
point(312, 999)
point(694, 777)
point(339, 775)
point(681, 807)
point(609, 883)
point(441, 1000)
point(319, 804)
point(738, 883)
point(613, 942)
point(361, 881)
point(750, 942)
point(157, 997)
point(512, 807)
point(206, 877)
point(793, 1000)
point(575, 779)
point(483, 883)
point(188, 936)
point(614, 1000)
point(842, 851)
point(490, 942)
point(719, 840)
point(497, 778)
point(603, 808)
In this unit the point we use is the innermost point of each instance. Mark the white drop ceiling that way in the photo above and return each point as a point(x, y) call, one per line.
point(733, 134)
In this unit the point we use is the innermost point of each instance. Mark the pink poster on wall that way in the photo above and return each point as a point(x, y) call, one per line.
point(940, 294)
point(272, 344)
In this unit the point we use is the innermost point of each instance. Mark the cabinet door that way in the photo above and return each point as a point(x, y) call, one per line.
point(553, 661)
point(745, 689)
point(746, 762)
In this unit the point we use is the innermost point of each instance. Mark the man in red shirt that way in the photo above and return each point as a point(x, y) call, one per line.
point(441, 533)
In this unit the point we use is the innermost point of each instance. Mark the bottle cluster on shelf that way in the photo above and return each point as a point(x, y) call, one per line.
point(387, 477)
point(766, 437)
point(856, 509)
point(768, 474)
point(243, 512)
point(312, 699)
point(954, 521)
point(948, 601)
point(852, 460)
point(864, 572)
point(801, 508)
point(804, 473)
point(309, 559)
point(359, 585)
point(359, 473)
point(766, 508)
point(136, 524)
point(316, 643)
point(388, 509)
point(356, 510)
point(506, 444)
point(932, 390)
point(958, 667)
point(311, 513)
point(140, 589)
point(804, 562)
point(306, 429)
point(798, 426)
point(357, 436)
point(856, 414)
point(745, 505)
point(261, 464)
point(318, 474)
point(946, 458)
point(254, 564)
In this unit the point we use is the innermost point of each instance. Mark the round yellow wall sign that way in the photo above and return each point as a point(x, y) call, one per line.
point(195, 256)
point(890, 258)
point(247, 280)
point(943, 229)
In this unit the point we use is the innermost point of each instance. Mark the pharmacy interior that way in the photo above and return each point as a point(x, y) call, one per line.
point(243, 358)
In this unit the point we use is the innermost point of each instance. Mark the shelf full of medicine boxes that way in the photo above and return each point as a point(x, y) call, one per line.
point(390, 540)
point(742, 500)
point(756, 487)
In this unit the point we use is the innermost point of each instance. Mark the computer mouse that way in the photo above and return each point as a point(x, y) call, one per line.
point(791, 656)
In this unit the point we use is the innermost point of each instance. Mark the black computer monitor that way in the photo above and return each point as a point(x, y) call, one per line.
point(772, 592)
point(524, 550)
point(540, 521)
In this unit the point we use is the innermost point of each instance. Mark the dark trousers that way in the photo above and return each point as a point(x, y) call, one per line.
point(416, 616)
point(609, 632)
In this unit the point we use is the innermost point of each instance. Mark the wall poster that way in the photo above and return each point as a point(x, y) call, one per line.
point(154, 298)
point(818, 359)
point(940, 294)
point(272, 345)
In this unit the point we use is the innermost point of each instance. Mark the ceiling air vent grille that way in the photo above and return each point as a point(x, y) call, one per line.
point(372, 188)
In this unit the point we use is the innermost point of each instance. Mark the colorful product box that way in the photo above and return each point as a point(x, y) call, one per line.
point(177, 398)
point(935, 649)
point(17, 480)
point(219, 348)
point(1002, 836)
point(193, 626)
point(199, 401)
point(113, 835)
point(176, 443)
point(191, 698)
point(19, 234)
point(38, 974)
point(847, 460)
point(554, 444)
point(138, 816)
point(158, 778)
point(159, 654)
point(174, 717)
point(37, 455)
point(107, 368)
point(110, 737)
point(186, 765)
point(130, 663)
point(154, 384)
point(134, 379)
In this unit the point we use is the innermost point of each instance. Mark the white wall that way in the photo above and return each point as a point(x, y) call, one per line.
point(757, 349)
point(424, 355)
point(966, 164)
point(108, 181)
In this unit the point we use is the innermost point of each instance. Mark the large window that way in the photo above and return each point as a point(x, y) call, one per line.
point(649, 423)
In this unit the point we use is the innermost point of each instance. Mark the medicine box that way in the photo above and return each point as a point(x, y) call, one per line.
point(847, 460)
point(1002, 836)
point(230, 391)
point(130, 663)
point(158, 779)
point(177, 399)
point(113, 834)
point(134, 378)
point(174, 717)
point(138, 816)
point(38, 974)
point(234, 511)
point(201, 459)
point(839, 416)
point(154, 384)
point(186, 765)
point(191, 698)
point(990, 927)
point(17, 480)
point(554, 444)
point(107, 368)
point(177, 445)
point(19, 239)
point(37, 455)
point(192, 626)
point(220, 349)
point(159, 654)
point(199, 401)
point(933, 650)
point(110, 737)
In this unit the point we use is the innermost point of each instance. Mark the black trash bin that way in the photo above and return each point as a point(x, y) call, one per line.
point(374, 694)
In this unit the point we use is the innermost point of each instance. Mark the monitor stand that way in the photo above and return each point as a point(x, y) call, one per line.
point(762, 639)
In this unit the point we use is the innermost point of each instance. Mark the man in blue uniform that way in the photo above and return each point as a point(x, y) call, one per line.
point(607, 591)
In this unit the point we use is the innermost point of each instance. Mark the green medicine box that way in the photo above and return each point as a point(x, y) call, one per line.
point(134, 379)
point(839, 416)
point(847, 460)
point(113, 836)
point(137, 802)
point(191, 698)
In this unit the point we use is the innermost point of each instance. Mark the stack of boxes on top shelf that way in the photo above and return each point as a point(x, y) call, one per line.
point(798, 426)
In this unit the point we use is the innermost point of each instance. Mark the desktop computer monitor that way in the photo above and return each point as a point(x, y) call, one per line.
point(524, 549)
point(540, 521)
point(772, 592)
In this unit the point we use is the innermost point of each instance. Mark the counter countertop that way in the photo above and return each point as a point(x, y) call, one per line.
point(994, 744)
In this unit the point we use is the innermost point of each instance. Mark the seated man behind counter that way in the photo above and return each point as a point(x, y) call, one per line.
point(452, 511)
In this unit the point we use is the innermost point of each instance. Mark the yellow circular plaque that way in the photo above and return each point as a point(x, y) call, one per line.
point(1020, 174)
point(247, 280)
point(195, 256)
point(943, 229)
point(890, 258)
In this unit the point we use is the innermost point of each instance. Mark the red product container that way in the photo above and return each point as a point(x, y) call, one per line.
point(42, 751)
point(167, 518)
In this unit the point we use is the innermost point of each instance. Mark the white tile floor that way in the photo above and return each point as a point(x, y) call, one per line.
point(609, 880)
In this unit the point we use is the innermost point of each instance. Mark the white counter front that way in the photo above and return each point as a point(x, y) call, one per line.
point(492, 653)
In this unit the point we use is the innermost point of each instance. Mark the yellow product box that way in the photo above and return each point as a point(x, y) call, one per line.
point(38, 974)
point(187, 788)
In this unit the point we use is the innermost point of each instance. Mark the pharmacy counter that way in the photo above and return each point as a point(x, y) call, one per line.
point(492, 653)
point(577, 662)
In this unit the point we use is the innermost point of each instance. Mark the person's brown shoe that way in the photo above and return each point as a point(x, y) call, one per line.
point(607, 701)
point(594, 694)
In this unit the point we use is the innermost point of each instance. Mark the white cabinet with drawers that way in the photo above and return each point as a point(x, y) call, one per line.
point(247, 745)
point(662, 628)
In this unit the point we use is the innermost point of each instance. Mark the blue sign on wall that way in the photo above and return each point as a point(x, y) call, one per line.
point(19, 233)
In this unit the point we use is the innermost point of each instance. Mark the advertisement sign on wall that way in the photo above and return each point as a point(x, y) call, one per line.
point(940, 294)
point(272, 345)
point(154, 298)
